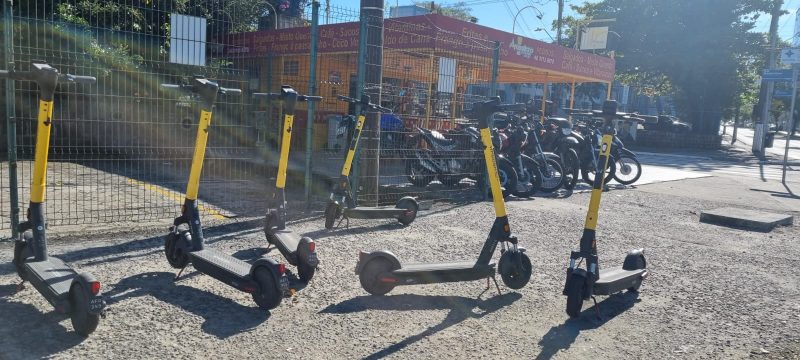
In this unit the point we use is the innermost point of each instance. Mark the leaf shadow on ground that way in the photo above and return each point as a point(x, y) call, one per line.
point(461, 308)
point(562, 336)
point(222, 317)
point(50, 336)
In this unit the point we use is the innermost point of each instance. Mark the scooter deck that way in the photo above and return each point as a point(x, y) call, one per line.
point(221, 266)
point(444, 272)
point(52, 278)
point(617, 279)
point(384, 212)
point(286, 241)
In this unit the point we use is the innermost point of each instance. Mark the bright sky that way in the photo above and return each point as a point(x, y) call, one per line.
point(499, 14)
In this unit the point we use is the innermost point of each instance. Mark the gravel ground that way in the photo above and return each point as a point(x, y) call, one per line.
point(712, 292)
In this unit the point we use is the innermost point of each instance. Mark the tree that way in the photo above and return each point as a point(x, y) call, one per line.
point(458, 10)
point(695, 49)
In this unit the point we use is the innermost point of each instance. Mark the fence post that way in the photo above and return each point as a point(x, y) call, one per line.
point(312, 90)
point(11, 120)
point(360, 70)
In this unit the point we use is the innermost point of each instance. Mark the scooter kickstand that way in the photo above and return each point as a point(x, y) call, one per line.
point(20, 286)
point(596, 308)
point(495, 285)
point(179, 274)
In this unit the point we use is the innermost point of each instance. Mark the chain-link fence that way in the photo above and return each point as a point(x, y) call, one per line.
point(428, 146)
point(121, 149)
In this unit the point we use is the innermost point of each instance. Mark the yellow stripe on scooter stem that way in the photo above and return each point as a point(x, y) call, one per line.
point(283, 163)
point(594, 201)
point(39, 181)
point(351, 153)
point(199, 155)
point(491, 168)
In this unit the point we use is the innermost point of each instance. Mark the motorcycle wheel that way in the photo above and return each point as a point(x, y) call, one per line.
point(417, 174)
point(552, 174)
point(571, 166)
point(628, 170)
point(588, 171)
point(532, 174)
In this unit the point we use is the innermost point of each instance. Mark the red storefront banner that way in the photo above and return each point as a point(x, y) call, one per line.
point(430, 31)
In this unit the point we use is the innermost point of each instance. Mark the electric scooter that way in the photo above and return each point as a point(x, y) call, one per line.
point(342, 203)
point(70, 292)
point(298, 251)
point(582, 284)
point(380, 271)
point(265, 279)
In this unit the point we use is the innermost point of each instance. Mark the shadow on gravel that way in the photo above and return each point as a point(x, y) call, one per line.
point(34, 334)
point(562, 336)
point(461, 308)
point(354, 230)
point(223, 317)
point(119, 252)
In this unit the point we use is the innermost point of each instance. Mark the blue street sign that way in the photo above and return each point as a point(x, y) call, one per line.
point(782, 94)
point(777, 75)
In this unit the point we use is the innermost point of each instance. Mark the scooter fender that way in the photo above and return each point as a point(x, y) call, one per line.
point(365, 257)
point(625, 151)
point(96, 302)
point(305, 252)
point(275, 269)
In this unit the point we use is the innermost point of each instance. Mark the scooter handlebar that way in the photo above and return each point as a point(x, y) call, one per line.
point(231, 91)
point(173, 86)
point(364, 103)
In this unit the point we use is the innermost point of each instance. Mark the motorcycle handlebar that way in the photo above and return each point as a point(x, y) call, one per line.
point(365, 103)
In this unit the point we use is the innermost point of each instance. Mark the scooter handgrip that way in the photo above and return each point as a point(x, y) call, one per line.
point(230, 91)
point(309, 98)
point(80, 79)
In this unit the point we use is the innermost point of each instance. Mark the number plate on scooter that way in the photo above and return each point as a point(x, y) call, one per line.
point(96, 304)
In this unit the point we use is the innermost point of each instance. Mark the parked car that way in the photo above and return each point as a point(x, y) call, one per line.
point(668, 123)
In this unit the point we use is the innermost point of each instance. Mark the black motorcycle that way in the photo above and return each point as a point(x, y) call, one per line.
point(511, 137)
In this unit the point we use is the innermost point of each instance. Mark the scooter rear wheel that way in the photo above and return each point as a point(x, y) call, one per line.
point(269, 294)
point(575, 295)
point(515, 269)
point(369, 276)
point(83, 321)
point(332, 212)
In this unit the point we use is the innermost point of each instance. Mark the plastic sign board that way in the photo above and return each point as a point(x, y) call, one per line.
point(790, 56)
point(187, 40)
point(777, 75)
point(594, 38)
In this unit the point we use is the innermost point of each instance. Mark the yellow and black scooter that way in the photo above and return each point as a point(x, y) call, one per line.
point(582, 284)
point(70, 292)
point(342, 203)
point(380, 271)
point(265, 279)
point(298, 251)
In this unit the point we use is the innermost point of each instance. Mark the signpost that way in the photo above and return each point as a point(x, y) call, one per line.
point(777, 74)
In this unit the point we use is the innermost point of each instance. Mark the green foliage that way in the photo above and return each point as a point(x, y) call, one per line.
point(701, 51)
point(458, 10)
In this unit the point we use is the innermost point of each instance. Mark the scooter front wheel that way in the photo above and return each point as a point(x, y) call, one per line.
point(82, 320)
point(515, 269)
point(332, 212)
point(575, 295)
point(176, 255)
point(411, 208)
point(21, 253)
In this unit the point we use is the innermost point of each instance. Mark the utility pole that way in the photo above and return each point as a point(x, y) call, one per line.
point(767, 86)
point(559, 21)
